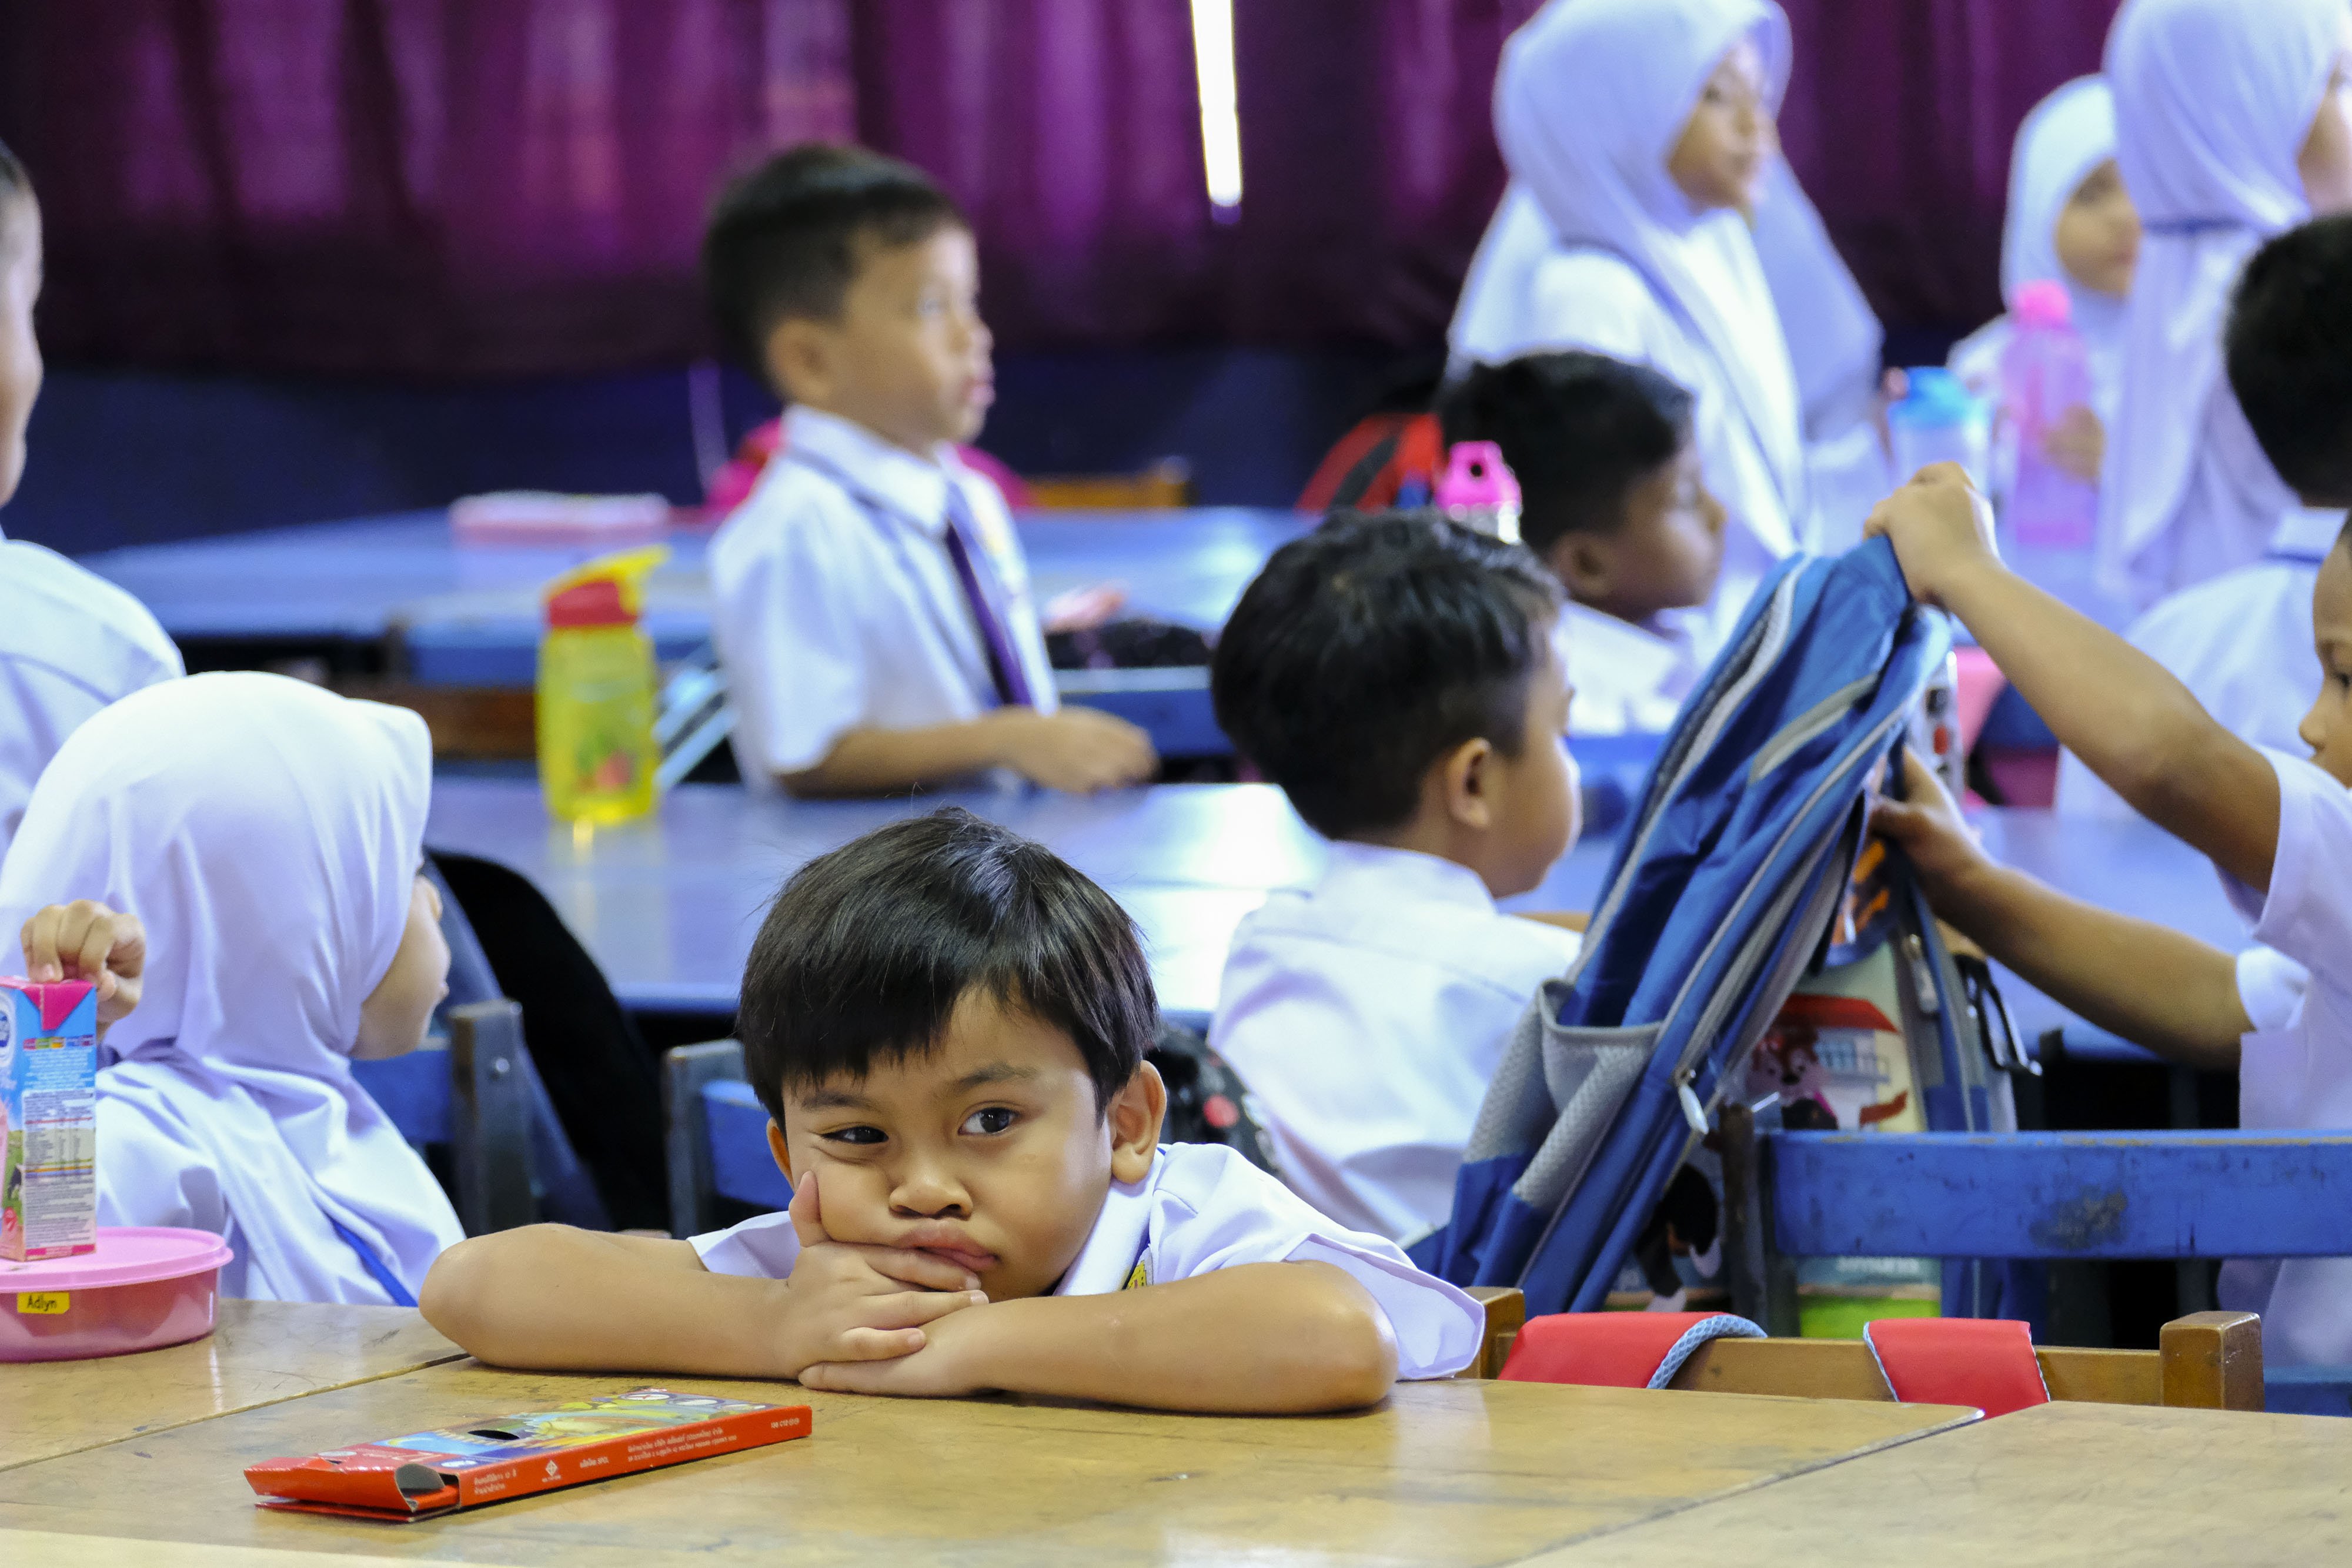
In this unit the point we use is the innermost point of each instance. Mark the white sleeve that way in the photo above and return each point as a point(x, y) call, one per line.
point(790, 634)
point(2307, 913)
point(1226, 1212)
point(764, 1248)
point(2270, 987)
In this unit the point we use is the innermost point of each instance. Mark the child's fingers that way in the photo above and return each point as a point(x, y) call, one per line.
point(39, 940)
point(808, 1220)
point(924, 1270)
point(874, 1345)
point(912, 1309)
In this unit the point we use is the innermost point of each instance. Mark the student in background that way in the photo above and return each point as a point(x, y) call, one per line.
point(873, 607)
point(267, 835)
point(2231, 125)
point(1613, 502)
point(69, 642)
point(948, 1026)
point(1398, 677)
point(2071, 223)
point(1639, 134)
point(2278, 828)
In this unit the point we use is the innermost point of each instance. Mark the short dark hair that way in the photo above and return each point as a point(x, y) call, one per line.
point(1579, 430)
point(2290, 351)
point(785, 239)
point(865, 952)
point(1371, 646)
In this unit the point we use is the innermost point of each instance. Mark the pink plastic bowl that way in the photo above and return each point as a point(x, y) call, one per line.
point(144, 1287)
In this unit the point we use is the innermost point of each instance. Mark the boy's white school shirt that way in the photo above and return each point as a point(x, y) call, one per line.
point(70, 642)
point(839, 607)
point(1199, 1208)
point(1366, 1017)
point(2295, 1066)
point(1628, 679)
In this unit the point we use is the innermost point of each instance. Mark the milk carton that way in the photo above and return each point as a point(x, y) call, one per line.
point(48, 1119)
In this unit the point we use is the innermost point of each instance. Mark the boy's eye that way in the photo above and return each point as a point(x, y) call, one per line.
point(989, 1121)
point(859, 1136)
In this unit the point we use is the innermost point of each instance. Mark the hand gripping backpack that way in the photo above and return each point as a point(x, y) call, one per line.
point(1727, 891)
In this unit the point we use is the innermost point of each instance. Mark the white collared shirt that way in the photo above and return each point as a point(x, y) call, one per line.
point(836, 604)
point(1200, 1208)
point(2295, 1066)
point(1628, 679)
point(1366, 1017)
point(70, 642)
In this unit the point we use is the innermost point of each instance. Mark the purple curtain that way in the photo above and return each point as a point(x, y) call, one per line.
point(468, 187)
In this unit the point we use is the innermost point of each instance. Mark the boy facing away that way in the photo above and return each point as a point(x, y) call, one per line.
point(1614, 504)
point(947, 1024)
point(1398, 677)
point(2277, 828)
point(873, 606)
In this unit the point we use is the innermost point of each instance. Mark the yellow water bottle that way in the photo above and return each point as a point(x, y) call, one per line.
point(596, 678)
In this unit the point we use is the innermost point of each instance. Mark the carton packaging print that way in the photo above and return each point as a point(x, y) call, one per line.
point(48, 1119)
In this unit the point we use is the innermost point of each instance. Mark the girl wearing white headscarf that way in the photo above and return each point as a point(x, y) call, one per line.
point(2070, 223)
point(268, 834)
point(2202, 505)
point(2214, 101)
point(1598, 247)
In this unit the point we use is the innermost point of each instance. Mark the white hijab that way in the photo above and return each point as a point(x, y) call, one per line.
point(267, 833)
point(2068, 135)
point(2212, 102)
point(1590, 99)
point(1834, 337)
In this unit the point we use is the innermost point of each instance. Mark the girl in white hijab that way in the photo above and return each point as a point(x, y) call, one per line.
point(268, 834)
point(2216, 103)
point(1637, 133)
point(2070, 223)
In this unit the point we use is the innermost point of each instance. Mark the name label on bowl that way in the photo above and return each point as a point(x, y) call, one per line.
point(44, 1303)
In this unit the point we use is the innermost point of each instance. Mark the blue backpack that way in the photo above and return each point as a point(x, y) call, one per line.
point(1727, 888)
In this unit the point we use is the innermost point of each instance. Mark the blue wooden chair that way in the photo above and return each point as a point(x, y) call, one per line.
point(715, 1134)
point(2032, 1196)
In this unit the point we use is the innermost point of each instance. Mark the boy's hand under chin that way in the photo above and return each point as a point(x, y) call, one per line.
point(1941, 529)
point(949, 1363)
point(857, 1305)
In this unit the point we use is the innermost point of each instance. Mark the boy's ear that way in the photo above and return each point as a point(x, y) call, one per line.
point(1464, 778)
point(800, 354)
point(1585, 565)
point(1136, 1113)
point(776, 1147)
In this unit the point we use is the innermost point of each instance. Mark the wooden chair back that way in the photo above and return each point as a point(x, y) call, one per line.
point(1165, 484)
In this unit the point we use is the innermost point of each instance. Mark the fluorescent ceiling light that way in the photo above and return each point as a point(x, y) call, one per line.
point(1221, 125)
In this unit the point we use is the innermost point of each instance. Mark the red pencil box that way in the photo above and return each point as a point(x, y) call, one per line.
point(426, 1474)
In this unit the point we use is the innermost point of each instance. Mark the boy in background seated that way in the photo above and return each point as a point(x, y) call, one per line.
point(947, 1024)
point(2277, 828)
point(1399, 677)
point(873, 607)
point(1612, 503)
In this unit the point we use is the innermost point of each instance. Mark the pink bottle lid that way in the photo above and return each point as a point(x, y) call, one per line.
point(2043, 303)
point(1476, 476)
point(125, 1255)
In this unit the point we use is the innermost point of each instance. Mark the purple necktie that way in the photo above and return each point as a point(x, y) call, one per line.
point(1003, 661)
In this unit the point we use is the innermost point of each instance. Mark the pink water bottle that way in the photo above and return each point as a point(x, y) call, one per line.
point(1479, 491)
point(2044, 374)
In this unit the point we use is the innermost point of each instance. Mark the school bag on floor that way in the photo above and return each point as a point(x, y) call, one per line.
point(1727, 890)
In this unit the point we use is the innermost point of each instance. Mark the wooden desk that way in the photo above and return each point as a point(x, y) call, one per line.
point(260, 1352)
point(2059, 1484)
point(1443, 1472)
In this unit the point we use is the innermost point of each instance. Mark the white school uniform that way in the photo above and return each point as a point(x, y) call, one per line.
point(1199, 1208)
point(2066, 137)
point(1595, 248)
point(837, 604)
point(1628, 679)
point(267, 833)
point(2213, 100)
point(2295, 1066)
point(1366, 1017)
point(2242, 643)
point(70, 642)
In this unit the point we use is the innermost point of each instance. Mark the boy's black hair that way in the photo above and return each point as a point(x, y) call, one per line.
point(2290, 350)
point(1579, 430)
point(865, 952)
point(1370, 647)
point(785, 239)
